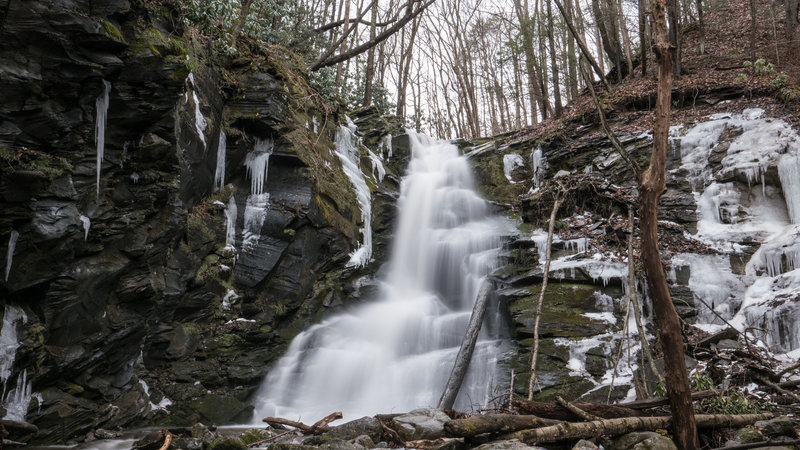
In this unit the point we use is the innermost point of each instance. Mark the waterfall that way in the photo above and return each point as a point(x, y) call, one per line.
point(12, 244)
point(9, 343)
point(395, 353)
point(17, 400)
point(230, 223)
point(219, 173)
point(101, 114)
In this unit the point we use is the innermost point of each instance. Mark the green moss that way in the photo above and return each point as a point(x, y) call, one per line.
point(34, 162)
point(151, 38)
point(110, 30)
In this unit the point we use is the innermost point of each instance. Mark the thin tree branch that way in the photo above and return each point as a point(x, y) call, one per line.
point(327, 60)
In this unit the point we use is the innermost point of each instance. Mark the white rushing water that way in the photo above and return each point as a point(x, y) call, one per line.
point(347, 149)
point(395, 353)
point(101, 114)
point(200, 123)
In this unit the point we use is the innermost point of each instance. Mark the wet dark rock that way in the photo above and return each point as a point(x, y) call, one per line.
point(643, 440)
point(779, 426)
point(365, 426)
point(420, 424)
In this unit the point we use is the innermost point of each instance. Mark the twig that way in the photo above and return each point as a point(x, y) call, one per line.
point(789, 369)
point(575, 410)
point(535, 353)
point(777, 388)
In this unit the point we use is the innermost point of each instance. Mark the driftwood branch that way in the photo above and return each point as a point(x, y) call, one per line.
point(777, 388)
point(494, 423)
point(319, 427)
point(558, 412)
point(615, 427)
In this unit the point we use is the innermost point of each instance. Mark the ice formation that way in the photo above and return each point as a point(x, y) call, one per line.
point(257, 162)
point(347, 149)
point(230, 223)
point(538, 166)
point(377, 165)
point(12, 245)
point(510, 162)
point(219, 172)
point(17, 400)
point(101, 114)
point(87, 223)
point(200, 123)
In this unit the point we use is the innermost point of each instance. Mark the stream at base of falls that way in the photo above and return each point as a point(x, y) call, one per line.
point(396, 353)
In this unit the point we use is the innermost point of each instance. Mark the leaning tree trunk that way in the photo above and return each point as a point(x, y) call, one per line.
point(651, 185)
point(467, 348)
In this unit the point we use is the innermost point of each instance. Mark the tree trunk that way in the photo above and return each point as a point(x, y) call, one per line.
point(582, 44)
point(616, 427)
point(244, 11)
point(553, 66)
point(753, 30)
point(651, 185)
point(644, 35)
point(702, 25)
point(467, 347)
point(674, 34)
point(369, 73)
point(791, 23)
point(609, 35)
point(557, 412)
point(494, 423)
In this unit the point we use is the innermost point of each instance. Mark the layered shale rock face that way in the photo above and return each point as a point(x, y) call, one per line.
point(728, 233)
point(165, 233)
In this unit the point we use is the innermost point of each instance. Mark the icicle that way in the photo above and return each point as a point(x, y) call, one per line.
point(538, 166)
point(255, 213)
point(200, 123)
point(230, 223)
point(789, 172)
point(101, 114)
point(12, 244)
point(16, 401)
point(347, 151)
point(386, 145)
point(257, 163)
point(377, 164)
point(510, 162)
point(86, 224)
point(219, 173)
point(9, 342)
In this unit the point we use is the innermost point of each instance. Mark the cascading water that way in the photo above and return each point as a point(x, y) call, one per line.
point(219, 172)
point(396, 353)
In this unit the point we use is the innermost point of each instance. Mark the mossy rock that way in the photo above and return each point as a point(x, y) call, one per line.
point(227, 443)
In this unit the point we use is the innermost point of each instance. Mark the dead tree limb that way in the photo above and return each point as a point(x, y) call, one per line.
point(582, 45)
point(557, 412)
point(535, 352)
point(307, 429)
point(323, 423)
point(494, 423)
point(467, 347)
point(777, 388)
point(611, 136)
point(167, 440)
point(615, 427)
point(575, 410)
point(789, 369)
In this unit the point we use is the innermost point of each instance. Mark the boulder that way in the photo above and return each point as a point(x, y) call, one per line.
point(419, 424)
point(365, 426)
point(643, 440)
point(779, 426)
point(513, 444)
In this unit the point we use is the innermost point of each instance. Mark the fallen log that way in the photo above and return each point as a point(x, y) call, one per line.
point(615, 427)
point(663, 401)
point(494, 423)
point(555, 411)
point(575, 410)
point(167, 440)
